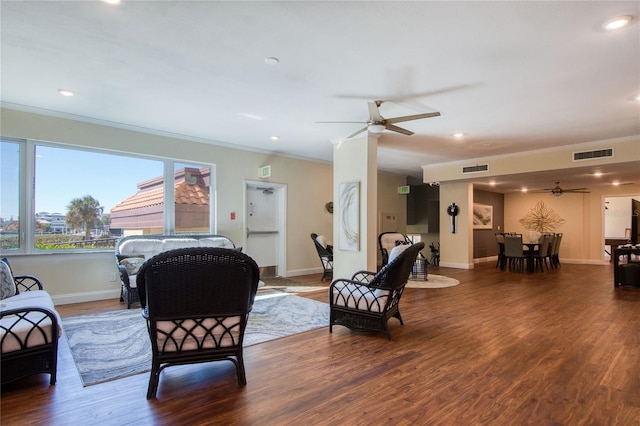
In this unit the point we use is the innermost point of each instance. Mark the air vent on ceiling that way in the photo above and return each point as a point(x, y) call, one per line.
point(475, 169)
point(592, 155)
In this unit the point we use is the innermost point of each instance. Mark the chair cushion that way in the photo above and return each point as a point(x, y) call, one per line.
point(146, 248)
point(360, 297)
point(132, 264)
point(322, 240)
point(191, 334)
point(178, 243)
point(22, 329)
point(7, 283)
point(221, 242)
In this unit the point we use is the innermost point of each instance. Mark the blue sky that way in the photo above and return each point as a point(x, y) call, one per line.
point(62, 175)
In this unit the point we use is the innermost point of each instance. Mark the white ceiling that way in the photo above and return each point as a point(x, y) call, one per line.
point(513, 76)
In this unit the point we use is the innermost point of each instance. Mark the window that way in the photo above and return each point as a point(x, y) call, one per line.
point(9, 196)
point(87, 199)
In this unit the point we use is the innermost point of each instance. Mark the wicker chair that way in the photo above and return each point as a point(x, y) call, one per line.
point(368, 299)
point(29, 334)
point(196, 302)
point(325, 252)
point(387, 241)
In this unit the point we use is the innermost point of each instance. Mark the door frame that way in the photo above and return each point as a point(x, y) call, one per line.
point(280, 191)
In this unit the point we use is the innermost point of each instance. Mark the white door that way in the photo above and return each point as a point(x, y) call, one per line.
point(265, 222)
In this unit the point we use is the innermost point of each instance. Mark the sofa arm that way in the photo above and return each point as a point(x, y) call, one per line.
point(27, 283)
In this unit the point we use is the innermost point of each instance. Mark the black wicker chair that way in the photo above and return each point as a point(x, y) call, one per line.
point(368, 299)
point(326, 257)
point(197, 302)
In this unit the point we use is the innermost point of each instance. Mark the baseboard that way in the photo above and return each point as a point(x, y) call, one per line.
point(307, 271)
point(485, 259)
point(90, 296)
point(456, 265)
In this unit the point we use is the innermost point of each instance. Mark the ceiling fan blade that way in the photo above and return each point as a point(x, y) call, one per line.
point(398, 98)
point(412, 117)
point(574, 191)
point(398, 129)
point(358, 132)
point(374, 113)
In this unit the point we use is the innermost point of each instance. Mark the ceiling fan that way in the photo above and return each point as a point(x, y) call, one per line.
point(377, 123)
point(557, 191)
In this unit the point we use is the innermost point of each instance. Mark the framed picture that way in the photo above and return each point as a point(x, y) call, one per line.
point(349, 220)
point(482, 216)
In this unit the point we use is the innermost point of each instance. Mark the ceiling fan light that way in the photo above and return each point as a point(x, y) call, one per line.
point(376, 128)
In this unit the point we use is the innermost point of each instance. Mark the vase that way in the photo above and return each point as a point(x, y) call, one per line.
point(532, 236)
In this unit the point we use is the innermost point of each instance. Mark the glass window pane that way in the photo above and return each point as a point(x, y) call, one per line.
point(85, 200)
point(9, 195)
point(192, 192)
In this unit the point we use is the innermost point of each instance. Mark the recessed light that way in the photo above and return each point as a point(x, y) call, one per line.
point(617, 22)
point(524, 190)
point(492, 183)
point(274, 138)
point(615, 183)
point(597, 174)
point(271, 60)
point(458, 135)
point(637, 98)
point(112, 1)
point(65, 92)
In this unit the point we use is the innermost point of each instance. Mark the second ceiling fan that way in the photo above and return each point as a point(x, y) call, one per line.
point(377, 123)
point(557, 191)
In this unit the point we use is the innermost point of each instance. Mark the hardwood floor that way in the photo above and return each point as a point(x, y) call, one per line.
point(502, 348)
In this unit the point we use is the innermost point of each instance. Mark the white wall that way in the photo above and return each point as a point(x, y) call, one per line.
point(617, 216)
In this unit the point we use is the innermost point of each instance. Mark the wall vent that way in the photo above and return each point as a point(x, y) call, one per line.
point(475, 169)
point(592, 155)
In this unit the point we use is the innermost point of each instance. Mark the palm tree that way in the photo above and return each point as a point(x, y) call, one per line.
point(84, 211)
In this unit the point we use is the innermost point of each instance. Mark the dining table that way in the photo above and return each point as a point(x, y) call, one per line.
point(530, 254)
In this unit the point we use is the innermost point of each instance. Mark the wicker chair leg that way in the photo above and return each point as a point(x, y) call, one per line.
point(397, 315)
point(154, 378)
point(242, 378)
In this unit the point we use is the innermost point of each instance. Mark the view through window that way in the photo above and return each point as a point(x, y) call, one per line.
point(88, 199)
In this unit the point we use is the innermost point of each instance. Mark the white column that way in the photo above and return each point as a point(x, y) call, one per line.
point(356, 160)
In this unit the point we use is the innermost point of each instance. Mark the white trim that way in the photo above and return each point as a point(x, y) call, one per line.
point(89, 296)
point(456, 265)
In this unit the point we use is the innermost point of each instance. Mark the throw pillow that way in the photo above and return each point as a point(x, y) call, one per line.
point(132, 264)
point(7, 284)
point(395, 252)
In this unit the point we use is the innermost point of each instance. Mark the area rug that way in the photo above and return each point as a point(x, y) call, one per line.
point(433, 281)
point(113, 345)
point(286, 285)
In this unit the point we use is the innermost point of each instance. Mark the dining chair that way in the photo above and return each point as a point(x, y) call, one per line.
point(541, 255)
point(513, 251)
point(501, 259)
point(555, 251)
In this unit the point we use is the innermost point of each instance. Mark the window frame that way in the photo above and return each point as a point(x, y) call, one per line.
point(27, 192)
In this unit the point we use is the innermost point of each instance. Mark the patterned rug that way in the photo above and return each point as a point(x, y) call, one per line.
point(433, 281)
point(114, 345)
point(287, 285)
